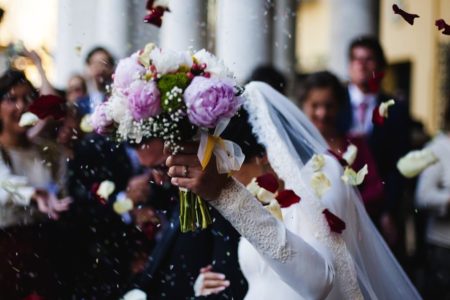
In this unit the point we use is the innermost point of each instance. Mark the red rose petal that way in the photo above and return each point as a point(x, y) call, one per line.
point(268, 182)
point(34, 296)
point(339, 158)
point(336, 224)
point(406, 16)
point(154, 16)
point(287, 197)
point(377, 119)
point(48, 106)
point(441, 24)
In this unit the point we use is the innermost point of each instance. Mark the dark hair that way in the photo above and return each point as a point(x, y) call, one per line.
point(269, 75)
point(11, 78)
point(2, 12)
point(320, 80)
point(371, 43)
point(240, 131)
point(95, 50)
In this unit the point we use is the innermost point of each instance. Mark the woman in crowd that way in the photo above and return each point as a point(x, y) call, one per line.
point(28, 176)
point(321, 97)
point(433, 195)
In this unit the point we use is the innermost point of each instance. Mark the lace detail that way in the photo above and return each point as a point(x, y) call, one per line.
point(253, 222)
point(289, 169)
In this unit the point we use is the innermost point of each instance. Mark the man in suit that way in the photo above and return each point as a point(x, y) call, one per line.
point(177, 258)
point(389, 141)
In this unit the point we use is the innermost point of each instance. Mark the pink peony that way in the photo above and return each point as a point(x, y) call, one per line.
point(144, 99)
point(127, 71)
point(209, 100)
point(100, 120)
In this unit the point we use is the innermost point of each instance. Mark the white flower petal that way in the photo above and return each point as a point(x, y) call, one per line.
point(85, 124)
point(135, 295)
point(106, 188)
point(28, 119)
point(123, 206)
point(275, 209)
point(384, 107)
point(260, 193)
point(350, 154)
point(415, 162)
point(318, 161)
point(214, 65)
point(352, 178)
point(320, 183)
point(144, 57)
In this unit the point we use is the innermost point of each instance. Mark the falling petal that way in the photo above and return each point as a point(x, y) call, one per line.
point(406, 16)
point(28, 119)
point(287, 197)
point(335, 223)
point(318, 161)
point(105, 189)
point(350, 154)
point(441, 24)
point(123, 206)
point(275, 209)
point(415, 162)
point(352, 178)
point(320, 183)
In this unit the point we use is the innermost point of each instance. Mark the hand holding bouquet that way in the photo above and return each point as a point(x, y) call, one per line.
point(176, 97)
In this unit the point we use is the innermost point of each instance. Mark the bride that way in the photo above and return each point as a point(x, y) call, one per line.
point(304, 256)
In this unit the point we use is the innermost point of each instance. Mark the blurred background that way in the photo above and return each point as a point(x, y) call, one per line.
point(297, 37)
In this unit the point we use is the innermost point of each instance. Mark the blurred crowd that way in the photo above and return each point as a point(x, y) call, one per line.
point(60, 240)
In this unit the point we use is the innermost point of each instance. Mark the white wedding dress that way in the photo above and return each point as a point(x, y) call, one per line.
point(301, 258)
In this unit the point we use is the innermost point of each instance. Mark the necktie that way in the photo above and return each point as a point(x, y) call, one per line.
point(362, 111)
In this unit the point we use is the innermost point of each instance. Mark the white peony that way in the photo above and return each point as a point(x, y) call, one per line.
point(320, 183)
point(169, 61)
point(352, 178)
point(350, 154)
point(105, 189)
point(28, 119)
point(214, 65)
point(415, 162)
point(135, 295)
point(117, 108)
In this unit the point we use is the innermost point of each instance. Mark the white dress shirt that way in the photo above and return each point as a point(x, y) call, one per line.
point(361, 127)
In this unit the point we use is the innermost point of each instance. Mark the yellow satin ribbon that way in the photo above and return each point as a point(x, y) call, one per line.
point(209, 149)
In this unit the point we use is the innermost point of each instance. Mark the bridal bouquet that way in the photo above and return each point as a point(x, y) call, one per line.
point(177, 97)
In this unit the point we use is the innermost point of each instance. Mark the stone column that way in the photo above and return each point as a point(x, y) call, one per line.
point(349, 19)
point(243, 35)
point(112, 26)
point(184, 27)
point(76, 35)
point(284, 38)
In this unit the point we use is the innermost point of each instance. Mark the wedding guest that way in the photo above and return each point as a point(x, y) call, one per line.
point(28, 174)
point(76, 88)
point(321, 98)
point(177, 258)
point(433, 195)
point(97, 246)
point(387, 142)
point(99, 69)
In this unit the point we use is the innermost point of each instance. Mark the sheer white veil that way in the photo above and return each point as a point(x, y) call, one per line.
point(290, 141)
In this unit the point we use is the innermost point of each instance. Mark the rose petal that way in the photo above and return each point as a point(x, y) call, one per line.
point(352, 178)
point(441, 24)
point(350, 154)
point(287, 197)
point(154, 16)
point(105, 189)
point(135, 294)
point(123, 206)
point(48, 106)
point(275, 209)
point(415, 162)
point(334, 222)
point(85, 124)
point(28, 119)
point(406, 16)
point(268, 181)
point(317, 162)
point(320, 183)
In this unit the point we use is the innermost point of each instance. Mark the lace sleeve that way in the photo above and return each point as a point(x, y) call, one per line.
point(300, 265)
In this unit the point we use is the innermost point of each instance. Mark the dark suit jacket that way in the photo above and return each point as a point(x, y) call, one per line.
point(177, 258)
point(388, 143)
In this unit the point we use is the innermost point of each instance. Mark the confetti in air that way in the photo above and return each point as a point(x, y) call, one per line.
point(441, 24)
